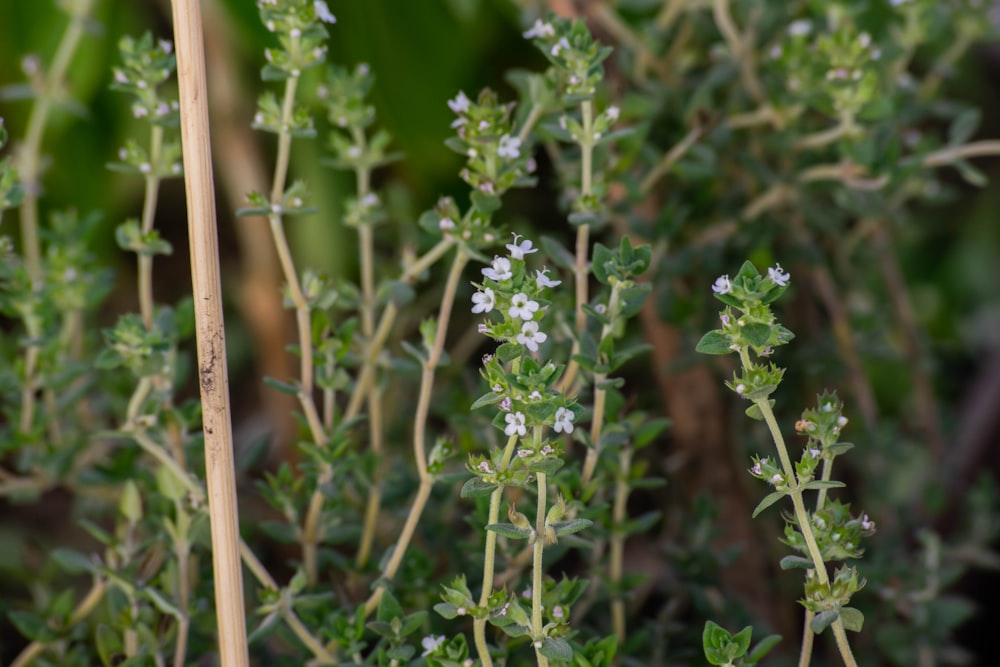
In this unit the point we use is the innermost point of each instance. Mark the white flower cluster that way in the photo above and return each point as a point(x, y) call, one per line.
point(522, 307)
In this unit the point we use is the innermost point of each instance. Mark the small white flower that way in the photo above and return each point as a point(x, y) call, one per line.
point(446, 223)
point(497, 388)
point(139, 111)
point(755, 470)
point(778, 275)
point(542, 279)
point(484, 466)
point(535, 395)
point(519, 250)
point(484, 301)
point(431, 644)
point(516, 423)
point(800, 28)
point(323, 14)
point(741, 388)
point(526, 593)
point(813, 452)
point(523, 454)
point(484, 125)
point(612, 113)
point(370, 199)
point(295, 32)
point(510, 147)
point(505, 404)
point(866, 523)
point(120, 76)
point(841, 421)
point(540, 29)
point(564, 421)
point(600, 309)
point(559, 46)
point(546, 450)
point(722, 285)
point(460, 104)
point(522, 307)
point(777, 478)
point(530, 336)
point(557, 612)
point(499, 270)
point(354, 152)
point(482, 328)
point(166, 45)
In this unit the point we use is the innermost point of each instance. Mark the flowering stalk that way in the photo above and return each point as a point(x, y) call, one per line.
point(829, 533)
point(299, 27)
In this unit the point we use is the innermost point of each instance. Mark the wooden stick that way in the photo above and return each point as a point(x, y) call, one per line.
point(210, 331)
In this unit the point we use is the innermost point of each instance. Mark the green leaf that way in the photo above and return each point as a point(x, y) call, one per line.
point(603, 257)
point(109, 645)
point(853, 619)
point(964, 126)
point(715, 342)
point(742, 640)
point(556, 648)
point(484, 203)
point(769, 500)
point(32, 627)
point(283, 387)
point(571, 526)
point(823, 620)
point(793, 562)
point(476, 487)
point(388, 607)
point(753, 412)
point(838, 448)
point(73, 562)
point(758, 334)
point(547, 465)
point(489, 398)
point(762, 648)
point(559, 255)
point(509, 530)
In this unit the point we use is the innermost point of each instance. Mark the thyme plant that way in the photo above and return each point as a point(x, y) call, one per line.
point(477, 468)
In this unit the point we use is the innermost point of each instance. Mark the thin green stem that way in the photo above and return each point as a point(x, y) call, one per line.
point(29, 158)
point(600, 394)
point(386, 322)
point(148, 215)
point(581, 268)
point(90, 601)
point(489, 556)
point(801, 515)
point(537, 568)
point(420, 425)
point(619, 514)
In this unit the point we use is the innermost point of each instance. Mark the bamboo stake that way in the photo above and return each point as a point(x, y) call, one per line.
point(220, 470)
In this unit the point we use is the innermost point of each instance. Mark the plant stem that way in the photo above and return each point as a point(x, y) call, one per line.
point(617, 556)
point(489, 556)
point(801, 515)
point(375, 439)
point(600, 394)
point(581, 269)
point(82, 610)
point(537, 564)
point(30, 152)
point(420, 425)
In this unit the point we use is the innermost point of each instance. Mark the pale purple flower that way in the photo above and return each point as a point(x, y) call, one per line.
point(866, 523)
point(778, 275)
point(612, 113)
point(755, 470)
point(722, 285)
point(542, 279)
point(499, 270)
point(516, 423)
point(505, 404)
point(522, 307)
point(510, 147)
point(484, 466)
point(777, 478)
point(483, 300)
point(431, 644)
point(446, 223)
point(563, 43)
point(460, 104)
point(530, 336)
point(564, 421)
point(540, 29)
point(519, 250)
